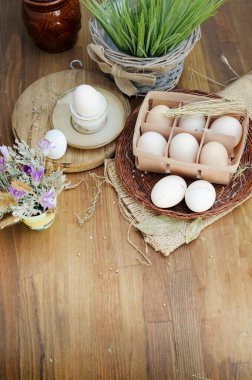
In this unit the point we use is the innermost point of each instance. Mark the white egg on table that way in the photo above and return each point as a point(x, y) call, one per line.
point(200, 196)
point(192, 123)
point(169, 191)
point(59, 143)
point(157, 116)
point(184, 147)
point(228, 125)
point(86, 101)
point(152, 142)
point(214, 153)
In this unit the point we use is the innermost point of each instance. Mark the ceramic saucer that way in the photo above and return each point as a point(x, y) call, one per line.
point(117, 114)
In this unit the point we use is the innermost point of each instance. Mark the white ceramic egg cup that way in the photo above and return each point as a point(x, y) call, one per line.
point(91, 124)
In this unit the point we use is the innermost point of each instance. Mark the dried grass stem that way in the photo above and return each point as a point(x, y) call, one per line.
point(86, 215)
point(215, 107)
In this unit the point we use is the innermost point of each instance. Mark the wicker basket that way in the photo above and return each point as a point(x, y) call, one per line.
point(164, 71)
point(139, 184)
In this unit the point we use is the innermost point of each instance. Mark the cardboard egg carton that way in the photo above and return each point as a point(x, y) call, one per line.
point(163, 164)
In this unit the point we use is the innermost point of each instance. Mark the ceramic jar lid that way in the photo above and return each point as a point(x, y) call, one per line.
point(45, 5)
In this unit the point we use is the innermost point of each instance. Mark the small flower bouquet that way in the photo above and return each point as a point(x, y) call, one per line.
point(29, 188)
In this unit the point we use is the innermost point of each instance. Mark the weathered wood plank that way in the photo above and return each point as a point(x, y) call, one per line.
point(65, 310)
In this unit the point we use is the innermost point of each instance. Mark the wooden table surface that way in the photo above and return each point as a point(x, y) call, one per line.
point(76, 307)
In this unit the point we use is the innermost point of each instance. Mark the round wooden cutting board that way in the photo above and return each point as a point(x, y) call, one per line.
point(31, 117)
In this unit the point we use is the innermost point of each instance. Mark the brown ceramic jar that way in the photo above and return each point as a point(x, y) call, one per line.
point(53, 24)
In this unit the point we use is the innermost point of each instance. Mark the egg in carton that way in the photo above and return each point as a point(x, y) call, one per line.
point(197, 131)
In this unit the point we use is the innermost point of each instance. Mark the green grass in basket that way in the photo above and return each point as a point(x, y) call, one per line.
point(150, 28)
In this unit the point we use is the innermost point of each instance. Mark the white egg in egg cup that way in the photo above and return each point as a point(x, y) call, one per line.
point(90, 124)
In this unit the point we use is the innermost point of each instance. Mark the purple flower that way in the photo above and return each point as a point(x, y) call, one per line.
point(16, 193)
point(2, 165)
point(27, 169)
point(5, 152)
point(36, 175)
point(46, 147)
point(48, 199)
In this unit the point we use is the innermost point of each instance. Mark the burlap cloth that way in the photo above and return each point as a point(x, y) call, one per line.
point(134, 212)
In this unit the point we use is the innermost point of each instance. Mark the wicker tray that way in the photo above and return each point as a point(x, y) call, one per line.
point(139, 184)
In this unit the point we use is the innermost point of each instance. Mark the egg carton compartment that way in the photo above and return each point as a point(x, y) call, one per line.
point(176, 131)
point(157, 97)
point(165, 164)
point(183, 169)
point(163, 130)
point(239, 149)
point(234, 146)
point(215, 175)
point(225, 136)
point(227, 141)
point(150, 162)
point(162, 124)
point(165, 102)
point(207, 121)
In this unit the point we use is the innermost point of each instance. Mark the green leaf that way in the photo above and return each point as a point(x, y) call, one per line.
point(194, 230)
point(146, 28)
point(160, 225)
point(141, 37)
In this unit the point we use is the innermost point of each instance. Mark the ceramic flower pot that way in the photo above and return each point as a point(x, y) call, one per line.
point(52, 24)
point(40, 222)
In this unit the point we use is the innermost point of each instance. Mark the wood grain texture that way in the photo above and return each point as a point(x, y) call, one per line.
point(75, 303)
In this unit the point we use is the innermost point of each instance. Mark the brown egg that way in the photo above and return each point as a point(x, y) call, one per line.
point(157, 116)
point(214, 153)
